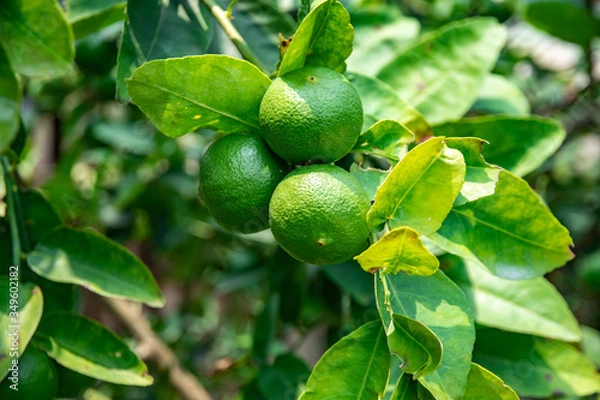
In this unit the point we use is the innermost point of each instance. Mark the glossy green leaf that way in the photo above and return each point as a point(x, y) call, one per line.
point(95, 262)
point(512, 233)
point(531, 306)
point(482, 384)
point(498, 95)
point(399, 250)
point(10, 103)
point(261, 22)
point(21, 307)
point(381, 102)
point(370, 178)
point(564, 20)
point(536, 367)
point(420, 190)
point(323, 38)
point(480, 177)
point(89, 16)
point(590, 344)
point(87, 347)
point(442, 74)
point(436, 302)
point(158, 30)
point(225, 96)
point(406, 389)
point(519, 144)
point(386, 138)
point(36, 37)
point(416, 345)
point(356, 367)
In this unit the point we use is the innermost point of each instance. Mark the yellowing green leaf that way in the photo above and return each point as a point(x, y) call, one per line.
point(399, 250)
point(225, 94)
point(482, 384)
point(420, 190)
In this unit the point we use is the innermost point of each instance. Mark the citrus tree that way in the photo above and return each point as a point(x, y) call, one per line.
point(388, 164)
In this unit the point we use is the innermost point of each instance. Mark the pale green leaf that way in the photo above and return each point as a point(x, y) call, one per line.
point(415, 344)
point(355, 368)
point(420, 190)
point(381, 102)
point(10, 102)
point(21, 307)
point(536, 367)
point(36, 37)
point(87, 347)
point(89, 16)
point(399, 250)
point(480, 177)
point(96, 263)
point(386, 138)
point(442, 74)
point(498, 95)
point(482, 384)
point(436, 302)
point(519, 144)
point(512, 233)
point(590, 344)
point(531, 306)
point(323, 38)
point(225, 96)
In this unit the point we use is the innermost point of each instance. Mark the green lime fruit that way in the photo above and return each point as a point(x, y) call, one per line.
point(311, 114)
point(238, 174)
point(36, 378)
point(318, 215)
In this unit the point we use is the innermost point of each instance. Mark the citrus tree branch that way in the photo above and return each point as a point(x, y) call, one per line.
point(182, 380)
point(233, 34)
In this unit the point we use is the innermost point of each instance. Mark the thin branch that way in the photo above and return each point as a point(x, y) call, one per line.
point(183, 381)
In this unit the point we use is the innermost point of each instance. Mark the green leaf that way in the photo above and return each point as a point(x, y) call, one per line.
point(381, 102)
point(370, 178)
point(480, 177)
point(498, 95)
point(89, 16)
point(436, 302)
point(10, 102)
point(442, 74)
point(87, 347)
point(225, 96)
point(536, 367)
point(482, 384)
point(261, 23)
point(399, 250)
point(563, 20)
point(386, 138)
point(36, 37)
point(283, 377)
point(40, 217)
point(323, 38)
point(415, 344)
point(511, 233)
point(590, 344)
point(406, 389)
point(532, 306)
point(21, 307)
point(356, 367)
point(158, 30)
point(519, 144)
point(352, 280)
point(420, 190)
point(95, 262)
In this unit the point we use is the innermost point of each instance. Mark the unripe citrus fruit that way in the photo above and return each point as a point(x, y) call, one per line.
point(318, 214)
point(38, 378)
point(311, 114)
point(238, 174)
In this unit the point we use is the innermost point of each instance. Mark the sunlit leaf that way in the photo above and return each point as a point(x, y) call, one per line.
point(498, 95)
point(482, 384)
point(386, 138)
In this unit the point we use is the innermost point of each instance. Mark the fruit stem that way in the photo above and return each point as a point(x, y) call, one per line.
point(14, 213)
point(233, 34)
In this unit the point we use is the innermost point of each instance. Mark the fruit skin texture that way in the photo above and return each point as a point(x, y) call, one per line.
point(318, 215)
point(311, 114)
point(38, 378)
point(238, 174)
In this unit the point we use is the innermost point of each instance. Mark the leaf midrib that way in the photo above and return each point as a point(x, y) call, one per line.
point(366, 375)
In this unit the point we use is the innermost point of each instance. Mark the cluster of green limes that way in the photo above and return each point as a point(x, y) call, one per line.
point(250, 182)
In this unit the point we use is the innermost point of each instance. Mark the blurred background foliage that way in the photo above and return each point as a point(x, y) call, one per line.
point(235, 302)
